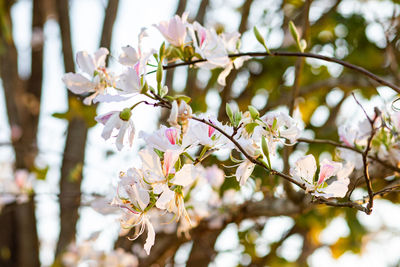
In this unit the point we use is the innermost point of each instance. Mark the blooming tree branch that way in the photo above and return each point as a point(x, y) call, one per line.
point(172, 176)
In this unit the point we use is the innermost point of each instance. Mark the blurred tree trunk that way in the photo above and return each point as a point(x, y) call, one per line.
point(74, 151)
point(23, 110)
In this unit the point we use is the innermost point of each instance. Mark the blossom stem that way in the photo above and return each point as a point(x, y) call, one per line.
point(137, 104)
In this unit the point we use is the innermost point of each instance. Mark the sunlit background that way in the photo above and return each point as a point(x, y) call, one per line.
point(102, 166)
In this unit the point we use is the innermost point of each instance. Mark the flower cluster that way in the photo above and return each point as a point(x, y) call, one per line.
point(84, 253)
point(171, 182)
point(385, 143)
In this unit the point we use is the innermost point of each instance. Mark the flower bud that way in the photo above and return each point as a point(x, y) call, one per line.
point(260, 39)
point(254, 112)
point(125, 114)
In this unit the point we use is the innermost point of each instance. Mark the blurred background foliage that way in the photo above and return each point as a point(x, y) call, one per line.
point(354, 31)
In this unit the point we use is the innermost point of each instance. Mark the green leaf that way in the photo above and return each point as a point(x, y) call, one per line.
point(250, 127)
point(40, 173)
point(78, 110)
point(238, 118)
point(61, 116)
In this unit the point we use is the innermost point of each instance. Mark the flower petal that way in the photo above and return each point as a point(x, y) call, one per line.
point(185, 176)
point(244, 171)
point(129, 56)
point(151, 235)
point(305, 169)
point(77, 83)
point(85, 62)
point(100, 57)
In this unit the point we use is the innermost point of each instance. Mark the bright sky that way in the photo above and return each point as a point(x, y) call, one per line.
point(100, 172)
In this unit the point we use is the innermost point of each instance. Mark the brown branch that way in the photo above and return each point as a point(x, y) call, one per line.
point(65, 29)
point(108, 24)
point(299, 54)
point(345, 82)
point(365, 157)
point(387, 190)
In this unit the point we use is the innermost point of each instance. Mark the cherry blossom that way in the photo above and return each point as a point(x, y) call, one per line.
point(174, 30)
point(95, 78)
point(166, 191)
point(120, 121)
point(84, 253)
point(180, 115)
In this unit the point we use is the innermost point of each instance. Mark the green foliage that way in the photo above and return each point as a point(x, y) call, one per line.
point(41, 173)
point(78, 110)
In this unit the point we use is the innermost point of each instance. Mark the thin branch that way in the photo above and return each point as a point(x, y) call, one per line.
point(366, 173)
point(365, 156)
point(387, 190)
point(348, 204)
point(284, 176)
point(259, 163)
point(299, 54)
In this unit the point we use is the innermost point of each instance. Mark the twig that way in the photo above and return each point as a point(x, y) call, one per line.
point(365, 157)
point(387, 190)
point(348, 204)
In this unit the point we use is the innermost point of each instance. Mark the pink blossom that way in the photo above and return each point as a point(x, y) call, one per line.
point(174, 30)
